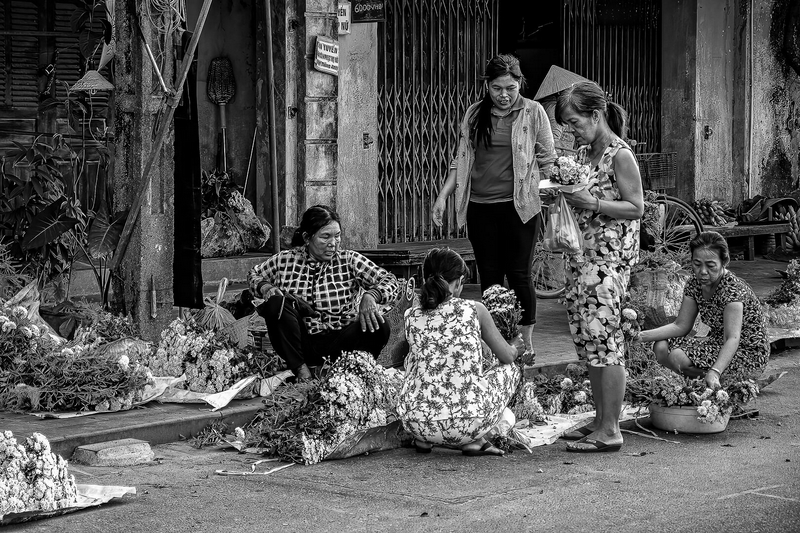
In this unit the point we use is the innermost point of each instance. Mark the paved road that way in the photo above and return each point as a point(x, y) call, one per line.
point(745, 479)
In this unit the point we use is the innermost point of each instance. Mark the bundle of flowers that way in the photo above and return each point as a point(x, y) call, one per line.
point(505, 310)
point(305, 422)
point(38, 372)
point(33, 478)
point(108, 326)
point(526, 405)
point(631, 326)
point(782, 306)
point(506, 313)
point(568, 170)
point(211, 362)
point(569, 394)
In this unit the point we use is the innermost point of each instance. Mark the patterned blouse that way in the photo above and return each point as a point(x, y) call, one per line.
point(753, 351)
point(333, 288)
point(608, 239)
point(444, 375)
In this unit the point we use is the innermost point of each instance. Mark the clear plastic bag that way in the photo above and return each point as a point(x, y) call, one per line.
point(562, 233)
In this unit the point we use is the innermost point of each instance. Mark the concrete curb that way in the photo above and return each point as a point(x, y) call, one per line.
point(159, 431)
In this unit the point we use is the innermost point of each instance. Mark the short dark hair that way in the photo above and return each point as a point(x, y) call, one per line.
point(712, 241)
point(440, 267)
point(314, 219)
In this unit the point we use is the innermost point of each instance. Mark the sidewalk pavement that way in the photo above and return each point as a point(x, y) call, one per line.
point(161, 423)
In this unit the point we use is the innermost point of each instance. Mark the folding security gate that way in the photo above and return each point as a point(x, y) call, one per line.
point(617, 43)
point(431, 57)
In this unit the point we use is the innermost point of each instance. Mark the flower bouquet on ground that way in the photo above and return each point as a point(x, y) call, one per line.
point(305, 422)
point(782, 306)
point(210, 360)
point(33, 478)
point(569, 394)
point(40, 373)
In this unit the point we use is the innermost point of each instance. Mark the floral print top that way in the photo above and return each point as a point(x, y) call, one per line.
point(605, 238)
point(753, 341)
point(444, 374)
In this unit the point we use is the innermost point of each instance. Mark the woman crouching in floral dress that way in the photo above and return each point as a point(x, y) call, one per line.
point(448, 398)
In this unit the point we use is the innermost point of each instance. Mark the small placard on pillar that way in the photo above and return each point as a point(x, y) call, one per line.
point(326, 56)
point(343, 14)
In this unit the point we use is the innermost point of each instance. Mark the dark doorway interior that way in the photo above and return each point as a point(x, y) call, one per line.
point(532, 32)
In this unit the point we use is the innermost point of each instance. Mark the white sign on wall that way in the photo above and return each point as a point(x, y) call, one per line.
point(326, 56)
point(344, 18)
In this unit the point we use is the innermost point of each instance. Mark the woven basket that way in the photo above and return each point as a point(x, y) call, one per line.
point(389, 356)
point(238, 331)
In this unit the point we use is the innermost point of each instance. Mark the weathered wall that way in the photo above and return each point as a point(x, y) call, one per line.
point(229, 31)
point(713, 125)
point(146, 269)
point(357, 179)
point(776, 103)
point(679, 89)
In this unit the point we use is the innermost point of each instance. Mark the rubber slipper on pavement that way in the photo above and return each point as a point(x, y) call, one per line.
point(596, 446)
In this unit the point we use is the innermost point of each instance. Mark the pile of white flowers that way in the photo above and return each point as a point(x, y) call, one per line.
point(33, 478)
point(210, 362)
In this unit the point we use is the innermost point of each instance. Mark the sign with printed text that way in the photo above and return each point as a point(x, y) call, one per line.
point(368, 11)
point(326, 56)
point(343, 13)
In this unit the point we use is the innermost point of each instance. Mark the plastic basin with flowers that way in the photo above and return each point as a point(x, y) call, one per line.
point(685, 419)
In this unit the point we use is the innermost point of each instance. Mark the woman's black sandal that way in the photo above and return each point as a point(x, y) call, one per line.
point(422, 449)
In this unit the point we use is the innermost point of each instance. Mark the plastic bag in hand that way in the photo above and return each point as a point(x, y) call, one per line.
point(562, 233)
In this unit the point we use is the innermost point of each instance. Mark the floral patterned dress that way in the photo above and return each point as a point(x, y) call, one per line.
point(597, 278)
point(447, 398)
point(753, 353)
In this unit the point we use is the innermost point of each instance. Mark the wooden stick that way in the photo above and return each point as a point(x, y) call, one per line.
point(645, 435)
point(155, 150)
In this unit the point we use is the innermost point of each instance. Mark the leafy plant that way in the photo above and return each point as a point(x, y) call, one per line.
point(218, 192)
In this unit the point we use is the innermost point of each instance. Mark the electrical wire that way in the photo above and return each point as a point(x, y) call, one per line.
point(166, 16)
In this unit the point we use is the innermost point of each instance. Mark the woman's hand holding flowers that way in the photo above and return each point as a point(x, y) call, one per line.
point(518, 343)
point(369, 315)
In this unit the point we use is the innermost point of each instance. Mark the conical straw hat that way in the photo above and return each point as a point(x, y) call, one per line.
point(557, 80)
point(91, 82)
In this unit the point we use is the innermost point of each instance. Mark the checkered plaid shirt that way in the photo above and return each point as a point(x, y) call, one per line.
point(333, 288)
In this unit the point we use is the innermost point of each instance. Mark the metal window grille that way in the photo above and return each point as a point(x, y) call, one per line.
point(617, 43)
point(431, 57)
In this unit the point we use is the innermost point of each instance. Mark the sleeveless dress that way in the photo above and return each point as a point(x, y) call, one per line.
point(597, 278)
point(752, 356)
point(447, 398)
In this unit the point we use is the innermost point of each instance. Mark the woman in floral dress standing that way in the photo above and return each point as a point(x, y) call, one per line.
point(447, 398)
point(608, 212)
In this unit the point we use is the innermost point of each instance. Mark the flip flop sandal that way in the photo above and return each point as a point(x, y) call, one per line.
point(596, 446)
point(484, 450)
point(577, 434)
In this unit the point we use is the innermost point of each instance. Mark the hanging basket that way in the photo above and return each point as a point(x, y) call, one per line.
point(684, 419)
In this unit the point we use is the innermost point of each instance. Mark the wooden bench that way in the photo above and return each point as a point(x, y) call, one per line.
point(404, 259)
point(749, 232)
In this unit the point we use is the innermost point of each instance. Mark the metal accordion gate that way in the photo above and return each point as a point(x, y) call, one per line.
point(431, 58)
point(617, 43)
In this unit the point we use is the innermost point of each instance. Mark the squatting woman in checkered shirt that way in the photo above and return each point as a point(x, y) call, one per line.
point(311, 292)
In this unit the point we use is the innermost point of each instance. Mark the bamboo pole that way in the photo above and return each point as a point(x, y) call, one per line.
point(164, 127)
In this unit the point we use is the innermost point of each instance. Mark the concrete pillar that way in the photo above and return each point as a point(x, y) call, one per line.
point(317, 114)
point(146, 269)
point(357, 180)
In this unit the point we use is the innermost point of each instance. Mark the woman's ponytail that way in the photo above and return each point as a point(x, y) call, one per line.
point(441, 267)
